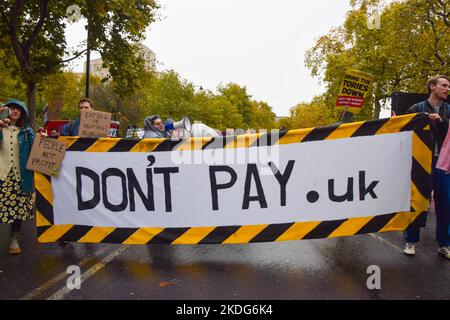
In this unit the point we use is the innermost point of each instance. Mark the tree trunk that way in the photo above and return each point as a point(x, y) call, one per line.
point(31, 102)
point(377, 110)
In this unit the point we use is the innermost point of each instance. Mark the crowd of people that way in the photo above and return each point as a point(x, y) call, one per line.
point(17, 186)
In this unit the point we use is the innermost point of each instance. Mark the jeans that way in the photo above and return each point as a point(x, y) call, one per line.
point(440, 184)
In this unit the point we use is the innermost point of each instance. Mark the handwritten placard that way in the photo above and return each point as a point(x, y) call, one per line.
point(94, 124)
point(46, 155)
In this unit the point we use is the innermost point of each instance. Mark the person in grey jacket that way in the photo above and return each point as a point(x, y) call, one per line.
point(154, 128)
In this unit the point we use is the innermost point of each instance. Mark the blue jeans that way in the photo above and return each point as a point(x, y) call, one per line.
point(440, 184)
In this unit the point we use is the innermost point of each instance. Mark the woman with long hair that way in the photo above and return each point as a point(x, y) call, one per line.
point(16, 182)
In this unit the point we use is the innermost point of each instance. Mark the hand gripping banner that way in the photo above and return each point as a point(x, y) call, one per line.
point(326, 182)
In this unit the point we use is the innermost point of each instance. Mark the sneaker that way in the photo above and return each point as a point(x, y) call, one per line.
point(444, 252)
point(409, 250)
point(14, 247)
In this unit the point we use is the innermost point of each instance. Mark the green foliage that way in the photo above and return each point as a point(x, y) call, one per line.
point(411, 45)
point(35, 31)
point(313, 114)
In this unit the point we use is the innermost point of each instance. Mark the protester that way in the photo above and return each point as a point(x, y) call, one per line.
point(439, 113)
point(154, 128)
point(72, 128)
point(16, 182)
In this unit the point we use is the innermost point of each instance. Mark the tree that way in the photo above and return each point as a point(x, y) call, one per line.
point(411, 45)
point(313, 114)
point(262, 116)
point(34, 29)
point(238, 97)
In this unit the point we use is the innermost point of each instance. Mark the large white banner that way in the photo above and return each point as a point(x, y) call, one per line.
point(314, 181)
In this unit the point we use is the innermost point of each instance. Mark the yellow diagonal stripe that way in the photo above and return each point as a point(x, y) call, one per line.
point(194, 235)
point(146, 145)
point(96, 234)
point(295, 136)
point(350, 227)
point(40, 220)
point(345, 131)
point(400, 221)
point(418, 201)
point(243, 141)
point(55, 232)
point(395, 124)
point(44, 187)
point(298, 231)
point(422, 153)
point(245, 234)
point(68, 140)
point(143, 235)
point(103, 145)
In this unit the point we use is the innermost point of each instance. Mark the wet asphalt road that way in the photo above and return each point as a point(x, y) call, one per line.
point(308, 269)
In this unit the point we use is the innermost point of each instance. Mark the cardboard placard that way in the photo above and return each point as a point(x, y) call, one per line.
point(94, 124)
point(353, 91)
point(46, 155)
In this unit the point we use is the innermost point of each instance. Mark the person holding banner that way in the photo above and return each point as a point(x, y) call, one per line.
point(72, 128)
point(439, 114)
point(16, 182)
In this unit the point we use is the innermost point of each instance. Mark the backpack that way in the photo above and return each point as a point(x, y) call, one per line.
point(422, 107)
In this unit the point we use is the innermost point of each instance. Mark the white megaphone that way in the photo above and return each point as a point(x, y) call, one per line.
point(184, 123)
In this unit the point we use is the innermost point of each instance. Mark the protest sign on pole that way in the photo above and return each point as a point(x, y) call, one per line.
point(353, 91)
point(46, 155)
point(94, 124)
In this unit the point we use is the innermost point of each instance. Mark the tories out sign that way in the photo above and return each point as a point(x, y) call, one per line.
point(307, 179)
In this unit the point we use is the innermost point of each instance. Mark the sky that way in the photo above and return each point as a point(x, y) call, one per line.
point(259, 44)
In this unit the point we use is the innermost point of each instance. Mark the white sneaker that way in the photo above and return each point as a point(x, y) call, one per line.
point(409, 250)
point(444, 252)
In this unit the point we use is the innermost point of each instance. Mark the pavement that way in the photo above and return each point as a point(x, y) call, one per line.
point(324, 269)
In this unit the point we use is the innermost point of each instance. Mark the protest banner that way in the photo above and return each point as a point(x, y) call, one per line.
point(46, 155)
point(94, 124)
point(324, 182)
point(353, 91)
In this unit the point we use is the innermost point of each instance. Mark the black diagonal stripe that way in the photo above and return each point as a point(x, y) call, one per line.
point(210, 144)
point(167, 145)
point(419, 222)
point(44, 207)
point(124, 145)
point(376, 224)
point(269, 139)
point(75, 233)
point(219, 235)
point(41, 230)
point(420, 178)
point(119, 235)
point(419, 122)
point(82, 144)
point(272, 232)
point(324, 229)
point(49, 179)
point(320, 133)
point(167, 236)
point(369, 128)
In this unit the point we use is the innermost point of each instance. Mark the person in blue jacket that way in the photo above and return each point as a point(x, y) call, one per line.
point(16, 182)
point(72, 128)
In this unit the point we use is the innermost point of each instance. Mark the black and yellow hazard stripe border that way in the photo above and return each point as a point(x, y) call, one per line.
point(421, 170)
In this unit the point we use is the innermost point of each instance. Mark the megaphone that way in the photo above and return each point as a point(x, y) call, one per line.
point(184, 123)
